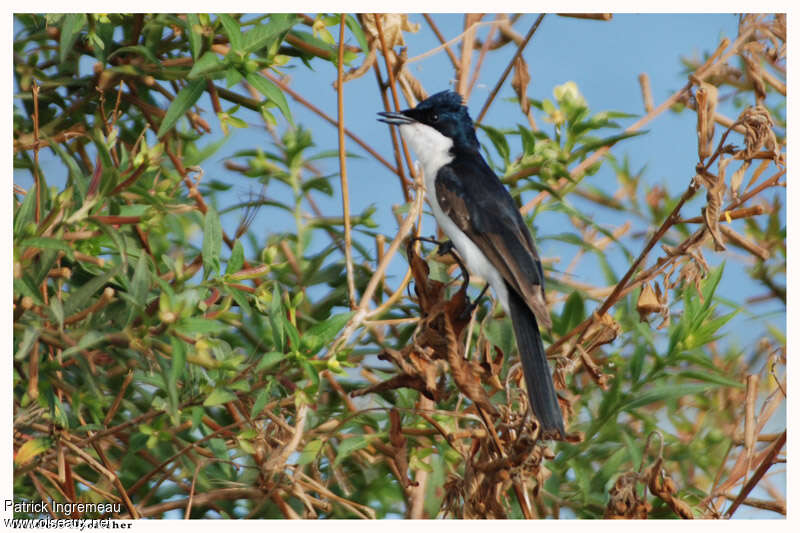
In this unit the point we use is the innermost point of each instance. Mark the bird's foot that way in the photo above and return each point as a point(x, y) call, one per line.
point(470, 307)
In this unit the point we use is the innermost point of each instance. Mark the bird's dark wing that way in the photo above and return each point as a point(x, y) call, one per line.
point(470, 193)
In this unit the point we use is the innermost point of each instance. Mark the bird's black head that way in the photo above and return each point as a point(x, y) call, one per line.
point(446, 113)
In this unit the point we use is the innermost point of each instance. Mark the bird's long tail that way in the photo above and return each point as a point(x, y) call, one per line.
point(538, 378)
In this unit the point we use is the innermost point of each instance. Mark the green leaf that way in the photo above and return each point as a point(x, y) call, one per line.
point(270, 359)
point(71, 26)
point(241, 300)
point(203, 326)
point(263, 35)
point(353, 444)
point(195, 37)
point(140, 287)
point(208, 63)
point(600, 143)
point(48, 243)
point(25, 287)
point(499, 141)
point(183, 101)
point(28, 451)
point(271, 92)
point(291, 330)
point(29, 338)
point(232, 30)
point(261, 401)
point(319, 335)
point(311, 373)
point(232, 77)
point(573, 312)
point(80, 297)
point(91, 339)
point(310, 452)
point(138, 49)
point(709, 286)
point(178, 360)
point(212, 242)
point(276, 319)
point(218, 397)
point(355, 27)
point(57, 310)
point(24, 213)
point(58, 412)
point(236, 260)
point(528, 140)
point(711, 377)
point(637, 362)
point(662, 393)
point(501, 334)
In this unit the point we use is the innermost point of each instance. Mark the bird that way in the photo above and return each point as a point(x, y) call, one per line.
point(477, 213)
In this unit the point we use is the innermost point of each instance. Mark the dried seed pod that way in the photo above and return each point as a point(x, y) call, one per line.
point(647, 303)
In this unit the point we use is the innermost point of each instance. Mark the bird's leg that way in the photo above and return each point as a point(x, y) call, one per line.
point(470, 307)
point(446, 247)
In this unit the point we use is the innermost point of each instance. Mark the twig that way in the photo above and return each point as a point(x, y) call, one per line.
point(647, 94)
point(589, 16)
point(348, 244)
point(481, 57)
point(759, 473)
point(439, 36)
point(398, 159)
point(745, 212)
point(188, 512)
point(510, 65)
point(36, 177)
point(118, 399)
point(235, 493)
point(392, 86)
point(467, 44)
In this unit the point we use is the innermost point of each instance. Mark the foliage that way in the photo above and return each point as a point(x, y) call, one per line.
point(169, 362)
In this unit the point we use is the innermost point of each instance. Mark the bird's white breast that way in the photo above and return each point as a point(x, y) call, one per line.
point(433, 152)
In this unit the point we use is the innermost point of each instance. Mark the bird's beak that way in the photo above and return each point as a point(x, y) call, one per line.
point(395, 118)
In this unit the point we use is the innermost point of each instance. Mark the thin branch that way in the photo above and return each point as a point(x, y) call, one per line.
point(439, 36)
point(348, 244)
point(510, 65)
point(392, 86)
point(758, 474)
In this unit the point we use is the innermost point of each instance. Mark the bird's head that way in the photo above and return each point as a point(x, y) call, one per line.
point(441, 115)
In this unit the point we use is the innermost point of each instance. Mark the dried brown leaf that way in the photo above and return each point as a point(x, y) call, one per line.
point(520, 83)
point(706, 96)
point(757, 123)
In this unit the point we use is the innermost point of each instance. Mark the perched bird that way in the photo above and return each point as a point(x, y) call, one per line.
point(478, 215)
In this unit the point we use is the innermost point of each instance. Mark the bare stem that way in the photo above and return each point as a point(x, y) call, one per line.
point(348, 244)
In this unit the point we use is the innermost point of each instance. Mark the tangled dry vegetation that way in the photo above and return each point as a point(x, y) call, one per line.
point(178, 380)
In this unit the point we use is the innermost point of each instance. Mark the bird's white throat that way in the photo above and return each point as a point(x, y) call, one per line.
point(431, 148)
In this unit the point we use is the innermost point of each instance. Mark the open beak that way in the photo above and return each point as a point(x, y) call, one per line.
point(395, 118)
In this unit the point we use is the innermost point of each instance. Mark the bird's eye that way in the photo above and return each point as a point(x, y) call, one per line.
point(435, 117)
